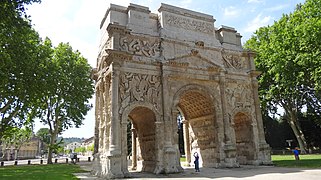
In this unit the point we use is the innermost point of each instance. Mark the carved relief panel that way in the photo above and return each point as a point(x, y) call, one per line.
point(238, 95)
point(189, 24)
point(135, 87)
point(137, 46)
point(234, 60)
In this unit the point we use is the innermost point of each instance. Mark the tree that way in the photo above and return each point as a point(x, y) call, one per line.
point(81, 150)
point(68, 87)
point(44, 136)
point(21, 55)
point(15, 141)
point(288, 54)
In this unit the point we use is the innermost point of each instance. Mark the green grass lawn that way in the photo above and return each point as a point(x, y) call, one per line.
point(306, 161)
point(35, 172)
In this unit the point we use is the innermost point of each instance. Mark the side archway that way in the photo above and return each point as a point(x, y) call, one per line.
point(143, 119)
point(244, 138)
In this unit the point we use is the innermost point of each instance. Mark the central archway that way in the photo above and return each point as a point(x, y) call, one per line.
point(143, 120)
point(200, 135)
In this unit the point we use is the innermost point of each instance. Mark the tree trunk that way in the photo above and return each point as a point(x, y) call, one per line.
point(297, 132)
point(50, 148)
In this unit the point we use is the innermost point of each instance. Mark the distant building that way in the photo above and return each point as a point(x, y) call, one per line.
point(72, 146)
point(87, 143)
point(28, 150)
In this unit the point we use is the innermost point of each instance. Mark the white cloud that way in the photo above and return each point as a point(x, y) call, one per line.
point(258, 22)
point(231, 11)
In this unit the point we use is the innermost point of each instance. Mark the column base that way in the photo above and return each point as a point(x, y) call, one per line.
point(264, 156)
point(108, 166)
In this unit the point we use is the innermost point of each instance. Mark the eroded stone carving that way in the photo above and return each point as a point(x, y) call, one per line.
point(239, 96)
point(189, 24)
point(233, 61)
point(139, 47)
point(139, 87)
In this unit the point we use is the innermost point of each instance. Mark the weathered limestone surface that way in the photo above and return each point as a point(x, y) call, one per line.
point(152, 67)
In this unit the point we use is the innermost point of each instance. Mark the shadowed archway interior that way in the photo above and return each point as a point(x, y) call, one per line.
point(143, 120)
point(198, 110)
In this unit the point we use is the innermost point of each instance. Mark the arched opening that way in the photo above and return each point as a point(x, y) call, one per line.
point(200, 134)
point(180, 133)
point(244, 138)
point(143, 123)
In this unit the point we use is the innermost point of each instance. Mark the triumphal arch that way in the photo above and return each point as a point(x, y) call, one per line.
point(153, 69)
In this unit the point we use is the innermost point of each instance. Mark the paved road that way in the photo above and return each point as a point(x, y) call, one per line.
point(37, 161)
point(245, 172)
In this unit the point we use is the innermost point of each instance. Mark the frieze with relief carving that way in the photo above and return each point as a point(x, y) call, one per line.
point(141, 47)
point(239, 96)
point(139, 87)
point(189, 24)
point(234, 61)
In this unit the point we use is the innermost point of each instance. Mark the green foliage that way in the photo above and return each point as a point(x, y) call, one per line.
point(277, 132)
point(288, 54)
point(67, 89)
point(80, 150)
point(91, 148)
point(306, 161)
point(43, 134)
point(21, 58)
point(17, 139)
point(52, 172)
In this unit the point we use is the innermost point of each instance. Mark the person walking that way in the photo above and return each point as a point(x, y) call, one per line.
point(296, 153)
point(196, 162)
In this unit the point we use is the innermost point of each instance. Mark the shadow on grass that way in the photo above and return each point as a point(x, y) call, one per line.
point(34, 172)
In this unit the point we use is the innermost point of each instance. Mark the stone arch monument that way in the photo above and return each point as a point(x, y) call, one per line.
point(152, 68)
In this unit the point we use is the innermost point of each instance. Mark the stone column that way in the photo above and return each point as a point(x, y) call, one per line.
point(159, 146)
point(258, 110)
point(97, 118)
point(187, 143)
point(114, 157)
point(104, 112)
point(124, 148)
point(115, 121)
point(134, 148)
point(229, 133)
point(264, 150)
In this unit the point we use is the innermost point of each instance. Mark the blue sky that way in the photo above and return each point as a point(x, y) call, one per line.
point(77, 22)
